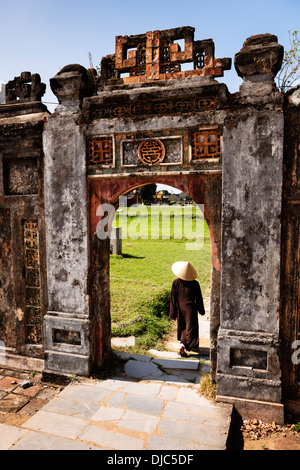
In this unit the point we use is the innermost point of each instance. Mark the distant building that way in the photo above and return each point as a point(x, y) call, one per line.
point(162, 198)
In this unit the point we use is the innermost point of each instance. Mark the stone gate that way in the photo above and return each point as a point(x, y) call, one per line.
point(155, 114)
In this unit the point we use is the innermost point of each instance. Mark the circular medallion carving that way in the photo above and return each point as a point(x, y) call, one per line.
point(151, 151)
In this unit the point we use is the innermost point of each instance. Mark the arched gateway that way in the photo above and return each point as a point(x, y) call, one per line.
point(146, 120)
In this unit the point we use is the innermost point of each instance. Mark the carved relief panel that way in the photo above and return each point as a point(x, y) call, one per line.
point(20, 176)
point(153, 149)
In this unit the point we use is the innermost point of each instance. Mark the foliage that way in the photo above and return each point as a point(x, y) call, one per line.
point(297, 426)
point(152, 323)
point(290, 70)
point(148, 192)
point(207, 387)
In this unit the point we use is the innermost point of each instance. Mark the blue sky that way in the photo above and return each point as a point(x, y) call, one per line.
point(42, 36)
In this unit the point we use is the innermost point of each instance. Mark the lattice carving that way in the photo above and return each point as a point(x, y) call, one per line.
point(26, 87)
point(148, 108)
point(159, 55)
point(32, 282)
point(140, 57)
point(151, 151)
point(100, 150)
point(205, 144)
point(199, 60)
point(129, 149)
point(166, 66)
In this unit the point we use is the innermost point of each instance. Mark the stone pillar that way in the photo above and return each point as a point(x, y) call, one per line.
point(212, 210)
point(67, 323)
point(248, 371)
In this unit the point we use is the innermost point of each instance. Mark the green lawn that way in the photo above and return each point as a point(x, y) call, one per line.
point(143, 273)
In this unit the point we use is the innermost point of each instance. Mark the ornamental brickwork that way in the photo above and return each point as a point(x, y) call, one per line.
point(160, 55)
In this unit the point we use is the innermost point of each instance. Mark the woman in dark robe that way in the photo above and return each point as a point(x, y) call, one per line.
point(185, 303)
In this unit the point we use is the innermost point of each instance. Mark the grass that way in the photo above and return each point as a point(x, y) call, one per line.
point(151, 324)
point(207, 388)
point(297, 426)
point(141, 277)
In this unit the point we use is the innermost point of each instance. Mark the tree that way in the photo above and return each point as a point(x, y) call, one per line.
point(290, 70)
point(148, 192)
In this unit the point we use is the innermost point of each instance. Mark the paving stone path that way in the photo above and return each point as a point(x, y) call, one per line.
point(154, 406)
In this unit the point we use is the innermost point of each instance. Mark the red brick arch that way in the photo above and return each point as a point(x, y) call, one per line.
point(204, 189)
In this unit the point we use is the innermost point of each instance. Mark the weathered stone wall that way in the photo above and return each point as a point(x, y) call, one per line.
point(290, 255)
point(23, 285)
point(248, 340)
point(67, 243)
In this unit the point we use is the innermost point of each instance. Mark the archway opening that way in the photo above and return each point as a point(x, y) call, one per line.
point(205, 189)
point(155, 225)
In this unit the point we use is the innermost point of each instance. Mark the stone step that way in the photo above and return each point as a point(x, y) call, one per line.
point(177, 363)
point(172, 361)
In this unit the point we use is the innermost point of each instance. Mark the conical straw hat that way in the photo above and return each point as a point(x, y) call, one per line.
point(184, 270)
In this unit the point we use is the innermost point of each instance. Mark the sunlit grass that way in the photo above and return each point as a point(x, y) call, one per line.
point(143, 271)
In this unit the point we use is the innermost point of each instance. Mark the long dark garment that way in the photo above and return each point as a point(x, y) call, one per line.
point(185, 303)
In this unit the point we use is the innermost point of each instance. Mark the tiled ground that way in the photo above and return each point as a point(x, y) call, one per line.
point(153, 405)
point(163, 411)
